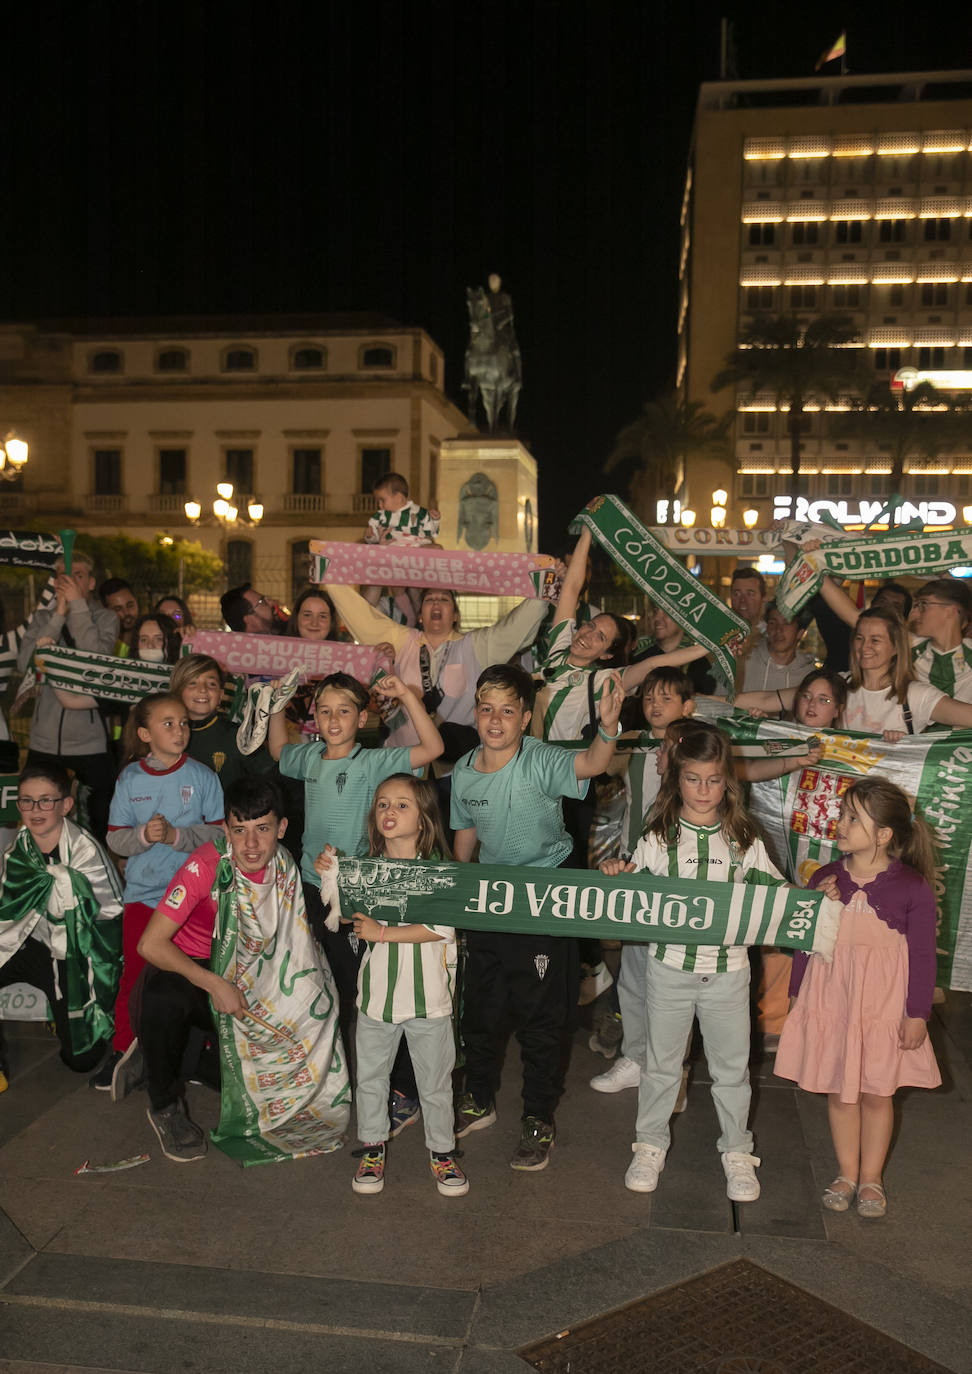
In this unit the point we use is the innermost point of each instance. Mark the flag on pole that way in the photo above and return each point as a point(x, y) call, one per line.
point(838, 49)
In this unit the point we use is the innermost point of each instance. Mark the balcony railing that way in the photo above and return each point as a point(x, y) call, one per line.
point(165, 503)
point(363, 503)
point(303, 503)
point(95, 503)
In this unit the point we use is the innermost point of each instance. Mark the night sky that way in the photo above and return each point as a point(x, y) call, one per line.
point(303, 157)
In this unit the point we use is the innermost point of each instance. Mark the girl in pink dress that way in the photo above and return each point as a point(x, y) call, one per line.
point(857, 1030)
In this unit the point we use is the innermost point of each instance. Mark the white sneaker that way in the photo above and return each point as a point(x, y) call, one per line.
point(623, 1073)
point(742, 1185)
point(643, 1171)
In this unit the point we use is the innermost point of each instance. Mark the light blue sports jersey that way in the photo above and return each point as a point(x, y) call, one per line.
point(517, 811)
point(186, 794)
point(337, 795)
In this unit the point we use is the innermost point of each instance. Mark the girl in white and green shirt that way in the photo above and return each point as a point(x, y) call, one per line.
point(699, 830)
point(405, 986)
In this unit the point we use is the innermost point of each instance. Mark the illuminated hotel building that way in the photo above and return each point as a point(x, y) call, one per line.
point(838, 194)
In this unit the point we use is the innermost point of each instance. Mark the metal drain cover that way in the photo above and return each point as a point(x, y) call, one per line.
point(737, 1319)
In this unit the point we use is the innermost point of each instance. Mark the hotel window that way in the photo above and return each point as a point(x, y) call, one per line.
point(107, 472)
point(896, 294)
point(239, 360)
point(307, 471)
point(172, 360)
point(931, 357)
point(759, 297)
point(892, 230)
point(934, 293)
point(846, 295)
point(239, 561)
point(937, 230)
point(172, 471)
point(756, 422)
point(967, 359)
point(375, 463)
point(887, 359)
point(753, 484)
point(307, 359)
point(805, 233)
point(849, 231)
point(239, 470)
point(105, 360)
point(803, 297)
point(761, 235)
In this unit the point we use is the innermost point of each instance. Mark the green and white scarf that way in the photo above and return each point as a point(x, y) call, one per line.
point(666, 580)
point(895, 553)
point(100, 675)
point(285, 1079)
point(582, 902)
point(81, 899)
point(27, 549)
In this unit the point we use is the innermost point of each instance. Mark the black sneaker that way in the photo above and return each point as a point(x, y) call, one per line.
point(402, 1111)
point(536, 1142)
point(102, 1079)
point(128, 1074)
point(182, 1140)
point(470, 1116)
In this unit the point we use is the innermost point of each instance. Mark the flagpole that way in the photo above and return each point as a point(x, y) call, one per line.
point(843, 57)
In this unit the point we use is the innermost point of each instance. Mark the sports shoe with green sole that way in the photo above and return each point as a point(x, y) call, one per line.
point(470, 1116)
point(536, 1142)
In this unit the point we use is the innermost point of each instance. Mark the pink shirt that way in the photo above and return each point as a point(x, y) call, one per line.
point(188, 901)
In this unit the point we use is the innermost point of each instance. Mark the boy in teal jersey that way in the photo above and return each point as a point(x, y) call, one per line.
point(506, 795)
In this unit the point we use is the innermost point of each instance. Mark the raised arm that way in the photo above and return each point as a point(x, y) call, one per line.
point(511, 634)
point(366, 624)
point(430, 744)
point(839, 602)
point(574, 579)
point(634, 675)
point(770, 702)
point(594, 760)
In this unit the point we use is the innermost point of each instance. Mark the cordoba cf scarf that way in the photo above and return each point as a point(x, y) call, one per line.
point(666, 580)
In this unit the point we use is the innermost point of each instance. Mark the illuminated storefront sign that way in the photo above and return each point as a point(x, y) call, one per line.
point(849, 513)
point(703, 539)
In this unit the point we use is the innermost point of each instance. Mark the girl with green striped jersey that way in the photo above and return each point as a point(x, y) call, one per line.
point(405, 986)
point(698, 829)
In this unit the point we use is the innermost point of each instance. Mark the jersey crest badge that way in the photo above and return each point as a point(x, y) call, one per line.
point(185, 792)
point(542, 962)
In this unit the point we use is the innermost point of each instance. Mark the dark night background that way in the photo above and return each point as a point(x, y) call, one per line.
point(315, 156)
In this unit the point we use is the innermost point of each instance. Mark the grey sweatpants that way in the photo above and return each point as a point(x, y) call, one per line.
point(432, 1047)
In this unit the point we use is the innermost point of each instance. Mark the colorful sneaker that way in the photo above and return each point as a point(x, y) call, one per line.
point(643, 1171)
point(101, 1079)
point(370, 1177)
point(182, 1140)
point(536, 1142)
point(402, 1111)
point(623, 1073)
point(470, 1116)
point(128, 1074)
point(742, 1185)
point(607, 1035)
point(449, 1178)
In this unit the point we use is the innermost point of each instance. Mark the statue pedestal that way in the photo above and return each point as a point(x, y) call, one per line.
point(487, 495)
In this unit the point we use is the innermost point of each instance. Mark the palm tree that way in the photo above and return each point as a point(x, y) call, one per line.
point(797, 364)
point(908, 423)
point(657, 444)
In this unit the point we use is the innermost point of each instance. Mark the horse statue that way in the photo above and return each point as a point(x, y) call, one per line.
point(493, 370)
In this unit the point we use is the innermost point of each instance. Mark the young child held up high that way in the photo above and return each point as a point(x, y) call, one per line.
point(698, 830)
point(165, 805)
point(858, 1029)
point(398, 520)
point(405, 987)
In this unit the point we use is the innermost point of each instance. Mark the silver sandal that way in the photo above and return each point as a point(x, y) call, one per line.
point(872, 1206)
point(835, 1200)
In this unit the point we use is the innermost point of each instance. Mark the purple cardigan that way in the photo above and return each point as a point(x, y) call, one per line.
point(905, 902)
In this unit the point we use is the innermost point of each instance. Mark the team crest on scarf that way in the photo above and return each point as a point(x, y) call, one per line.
point(542, 962)
point(816, 806)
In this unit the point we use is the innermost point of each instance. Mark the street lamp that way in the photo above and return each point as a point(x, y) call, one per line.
point(750, 518)
point(688, 518)
point(13, 456)
point(224, 511)
point(967, 514)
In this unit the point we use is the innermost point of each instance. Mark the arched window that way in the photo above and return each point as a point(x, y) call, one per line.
point(239, 561)
point(105, 360)
point(308, 358)
point(376, 355)
point(240, 360)
point(172, 360)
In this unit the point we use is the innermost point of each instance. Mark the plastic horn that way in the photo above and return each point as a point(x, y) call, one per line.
point(67, 543)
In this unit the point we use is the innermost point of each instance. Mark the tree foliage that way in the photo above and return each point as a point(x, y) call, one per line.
point(796, 364)
point(153, 567)
point(656, 445)
point(906, 424)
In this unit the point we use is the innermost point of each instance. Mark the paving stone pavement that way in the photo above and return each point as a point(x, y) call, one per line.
point(209, 1267)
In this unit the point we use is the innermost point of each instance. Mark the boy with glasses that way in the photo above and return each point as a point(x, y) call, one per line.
point(60, 918)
